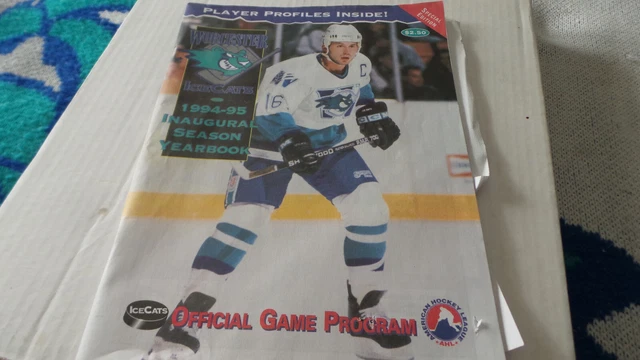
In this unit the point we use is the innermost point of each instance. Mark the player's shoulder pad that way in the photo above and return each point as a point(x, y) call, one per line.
point(362, 63)
point(291, 71)
point(362, 59)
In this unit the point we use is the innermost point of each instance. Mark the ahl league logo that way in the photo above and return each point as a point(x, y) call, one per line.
point(337, 102)
point(444, 322)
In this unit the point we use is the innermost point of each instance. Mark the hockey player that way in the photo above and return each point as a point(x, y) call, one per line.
point(302, 106)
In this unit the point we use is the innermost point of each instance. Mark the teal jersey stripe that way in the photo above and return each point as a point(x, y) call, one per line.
point(327, 137)
point(271, 129)
point(274, 126)
point(366, 95)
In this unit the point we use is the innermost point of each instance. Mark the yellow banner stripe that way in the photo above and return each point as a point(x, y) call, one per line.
point(300, 207)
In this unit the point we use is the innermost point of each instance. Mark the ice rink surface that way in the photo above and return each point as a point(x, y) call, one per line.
point(299, 269)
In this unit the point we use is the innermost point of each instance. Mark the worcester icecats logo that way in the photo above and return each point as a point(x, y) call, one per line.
point(337, 102)
point(227, 63)
point(444, 322)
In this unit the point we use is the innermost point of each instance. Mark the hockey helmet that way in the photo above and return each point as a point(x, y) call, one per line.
point(340, 33)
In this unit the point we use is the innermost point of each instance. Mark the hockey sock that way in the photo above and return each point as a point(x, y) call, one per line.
point(224, 250)
point(217, 257)
point(364, 252)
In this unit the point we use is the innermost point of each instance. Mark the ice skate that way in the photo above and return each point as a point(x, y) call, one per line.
point(174, 344)
point(179, 343)
point(376, 346)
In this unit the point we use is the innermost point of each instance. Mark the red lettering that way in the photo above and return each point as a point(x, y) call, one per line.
point(227, 317)
point(297, 322)
point(409, 327)
point(202, 319)
point(193, 317)
point(356, 325)
point(394, 328)
point(216, 324)
point(310, 324)
point(245, 322)
point(176, 319)
point(344, 324)
point(381, 326)
point(235, 321)
point(210, 320)
point(283, 323)
point(330, 319)
point(267, 319)
point(369, 326)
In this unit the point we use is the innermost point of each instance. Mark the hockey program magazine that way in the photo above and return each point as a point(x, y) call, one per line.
point(304, 192)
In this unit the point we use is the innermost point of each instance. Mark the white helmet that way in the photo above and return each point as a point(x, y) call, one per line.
point(339, 33)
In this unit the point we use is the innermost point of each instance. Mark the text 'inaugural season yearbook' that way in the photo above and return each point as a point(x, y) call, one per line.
point(304, 192)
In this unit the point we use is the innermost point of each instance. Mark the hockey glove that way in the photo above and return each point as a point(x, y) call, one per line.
point(297, 152)
point(374, 119)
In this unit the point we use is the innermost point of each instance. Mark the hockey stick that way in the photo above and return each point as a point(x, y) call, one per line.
point(247, 174)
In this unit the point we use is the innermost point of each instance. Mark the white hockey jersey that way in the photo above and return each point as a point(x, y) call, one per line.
point(300, 94)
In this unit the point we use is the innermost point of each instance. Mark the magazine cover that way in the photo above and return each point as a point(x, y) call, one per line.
point(304, 192)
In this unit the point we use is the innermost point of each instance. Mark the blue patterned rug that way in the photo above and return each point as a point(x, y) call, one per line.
point(47, 48)
point(603, 281)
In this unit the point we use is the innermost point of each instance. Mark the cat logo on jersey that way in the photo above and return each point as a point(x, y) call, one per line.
point(337, 102)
